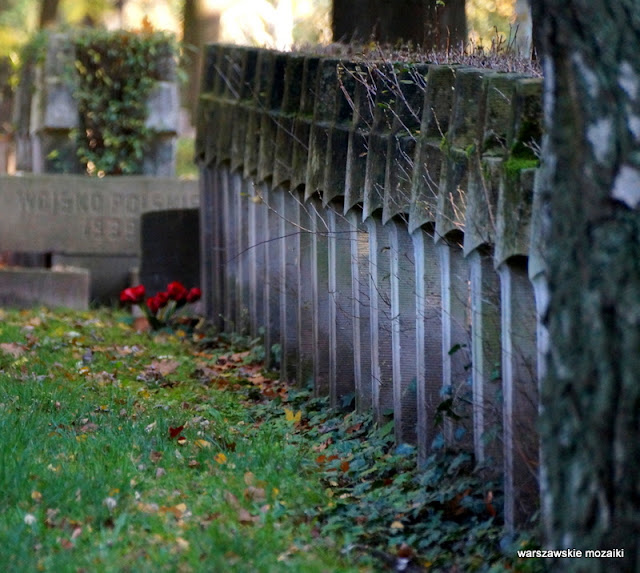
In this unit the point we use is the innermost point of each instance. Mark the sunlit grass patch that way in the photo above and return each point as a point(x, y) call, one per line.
point(118, 454)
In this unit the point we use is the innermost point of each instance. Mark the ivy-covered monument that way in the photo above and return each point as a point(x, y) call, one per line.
point(97, 102)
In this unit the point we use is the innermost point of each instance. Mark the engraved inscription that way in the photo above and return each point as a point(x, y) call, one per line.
point(111, 229)
point(43, 202)
point(65, 202)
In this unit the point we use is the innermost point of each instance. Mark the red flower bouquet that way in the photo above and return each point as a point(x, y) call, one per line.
point(162, 306)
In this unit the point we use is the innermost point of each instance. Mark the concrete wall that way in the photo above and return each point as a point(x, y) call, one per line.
point(377, 224)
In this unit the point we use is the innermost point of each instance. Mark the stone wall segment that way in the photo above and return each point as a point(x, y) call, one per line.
point(430, 183)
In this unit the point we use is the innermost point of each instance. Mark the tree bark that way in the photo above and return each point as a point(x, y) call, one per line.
point(201, 25)
point(590, 423)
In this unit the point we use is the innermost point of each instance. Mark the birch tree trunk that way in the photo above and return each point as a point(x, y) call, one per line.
point(590, 426)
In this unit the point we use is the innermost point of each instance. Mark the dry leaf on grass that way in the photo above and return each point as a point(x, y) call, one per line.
point(12, 349)
point(164, 367)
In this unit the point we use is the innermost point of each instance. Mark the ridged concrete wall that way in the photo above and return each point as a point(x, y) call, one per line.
point(374, 221)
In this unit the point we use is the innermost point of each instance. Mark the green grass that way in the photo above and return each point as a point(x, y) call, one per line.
point(126, 451)
point(92, 479)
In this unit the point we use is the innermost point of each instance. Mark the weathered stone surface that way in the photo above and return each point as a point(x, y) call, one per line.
point(428, 159)
point(108, 274)
point(428, 338)
point(358, 144)
point(483, 185)
point(403, 333)
point(380, 320)
point(324, 117)
point(284, 140)
point(270, 120)
point(76, 214)
point(361, 310)
point(60, 111)
point(341, 377)
point(54, 288)
point(240, 113)
point(456, 344)
point(163, 106)
point(259, 104)
point(514, 213)
point(520, 393)
point(410, 83)
point(486, 358)
point(338, 140)
point(302, 123)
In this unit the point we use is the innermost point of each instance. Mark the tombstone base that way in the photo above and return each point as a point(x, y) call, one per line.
point(23, 288)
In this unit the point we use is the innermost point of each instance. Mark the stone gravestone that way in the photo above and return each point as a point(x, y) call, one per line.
point(170, 244)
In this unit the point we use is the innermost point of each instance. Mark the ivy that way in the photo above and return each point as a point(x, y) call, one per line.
point(114, 75)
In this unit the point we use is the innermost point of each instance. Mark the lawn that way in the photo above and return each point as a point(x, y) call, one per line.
point(132, 451)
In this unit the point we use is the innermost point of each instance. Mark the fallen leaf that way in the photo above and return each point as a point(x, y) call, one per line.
point(155, 456)
point(12, 349)
point(397, 525)
point(291, 417)
point(174, 432)
point(231, 499)
point(253, 493)
point(249, 478)
point(344, 466)
point(354, 428)
point(245, 518)
point(164, 367)
point(220, 458)
point(203, 444)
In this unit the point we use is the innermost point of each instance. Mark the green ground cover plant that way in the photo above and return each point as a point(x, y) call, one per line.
point(176, 451)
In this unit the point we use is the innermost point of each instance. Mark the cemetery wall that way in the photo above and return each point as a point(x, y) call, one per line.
point(375, 218)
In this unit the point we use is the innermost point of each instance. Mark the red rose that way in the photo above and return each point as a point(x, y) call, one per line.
point(133, 295)
point(194, 294)
point(155, 303)
point(152, 305)
point(177, 291)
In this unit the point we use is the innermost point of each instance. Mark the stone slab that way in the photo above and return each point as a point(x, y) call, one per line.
point(22, 288)
point(78, 214)
point(108, 275)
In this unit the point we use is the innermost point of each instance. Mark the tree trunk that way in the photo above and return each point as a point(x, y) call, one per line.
point(48, 13)
point(590, 425)
point(422, 22)
point(201, 25)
